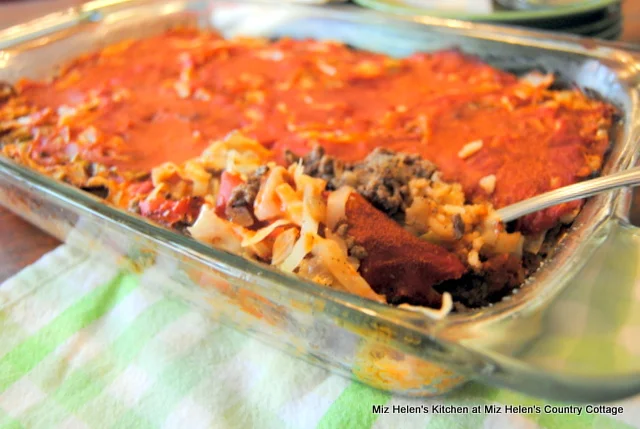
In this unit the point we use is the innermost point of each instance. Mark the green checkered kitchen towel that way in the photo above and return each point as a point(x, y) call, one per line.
point(86, 344)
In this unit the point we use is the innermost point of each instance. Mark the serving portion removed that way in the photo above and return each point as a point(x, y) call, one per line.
point(370, 174)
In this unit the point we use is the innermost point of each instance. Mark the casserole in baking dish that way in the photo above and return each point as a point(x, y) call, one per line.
point(380, 344)
point(192, 130)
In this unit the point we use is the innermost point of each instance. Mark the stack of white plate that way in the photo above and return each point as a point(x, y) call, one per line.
point(592, 18)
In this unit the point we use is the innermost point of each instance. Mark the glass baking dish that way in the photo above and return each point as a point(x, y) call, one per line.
point(532, 342)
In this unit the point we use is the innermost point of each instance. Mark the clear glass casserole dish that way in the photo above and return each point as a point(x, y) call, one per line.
point(531, 341)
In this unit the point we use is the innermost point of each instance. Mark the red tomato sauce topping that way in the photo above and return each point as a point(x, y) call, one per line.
point(139, 103)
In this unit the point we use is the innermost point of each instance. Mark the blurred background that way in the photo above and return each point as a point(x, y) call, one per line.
point(605, 19)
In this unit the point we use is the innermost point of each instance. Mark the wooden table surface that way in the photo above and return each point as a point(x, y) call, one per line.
point(22, 244)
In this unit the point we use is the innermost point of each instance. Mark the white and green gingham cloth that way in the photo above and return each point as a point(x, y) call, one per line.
point(86, 344)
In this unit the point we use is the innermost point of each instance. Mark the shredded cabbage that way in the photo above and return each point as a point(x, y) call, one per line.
point(447, 306)
point(336, 206)
point(252, 238)
point(300, 250)
point(236, 153)
point(210, 228)
point(267, 204)
point(336, 261)
point(283, 245)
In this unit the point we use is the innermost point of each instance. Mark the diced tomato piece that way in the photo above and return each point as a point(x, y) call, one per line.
point(228, 182)
point(171, 212)
point(141, 188)
point(148, 207)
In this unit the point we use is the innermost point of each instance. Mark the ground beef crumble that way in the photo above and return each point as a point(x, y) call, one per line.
point(355, 250)
point(317, 164)
point(382, 177)
point(501, 274)
point(240, 206)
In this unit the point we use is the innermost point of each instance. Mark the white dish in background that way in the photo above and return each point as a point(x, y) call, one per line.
point(541, 4)
point(455, 6)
